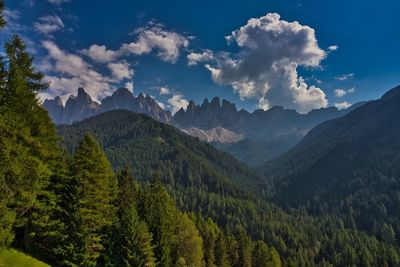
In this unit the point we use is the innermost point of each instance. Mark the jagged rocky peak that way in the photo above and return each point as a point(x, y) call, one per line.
point(55, 108)
point(79, 107)
point(191, 106)
point(122, 93)
point(205, 104)
point(216, 103)
point(120, 99)
point(228, 106)
point(82, 93)
point(82, 96)
point(58, 101)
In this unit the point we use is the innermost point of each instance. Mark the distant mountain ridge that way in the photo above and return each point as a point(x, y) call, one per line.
point(82, 106)
point(264, 134)
point(261, 123)
point(250, 137)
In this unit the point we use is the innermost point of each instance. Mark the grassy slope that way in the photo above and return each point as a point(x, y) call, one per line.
point(13, 258)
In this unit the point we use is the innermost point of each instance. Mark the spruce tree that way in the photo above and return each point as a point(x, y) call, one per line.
point(160, 215)
point(245, 248)
point(221, 251)
point(209, 231)
point(90, 213)
point(130, 242)
point(261, 255)
point(28, 147)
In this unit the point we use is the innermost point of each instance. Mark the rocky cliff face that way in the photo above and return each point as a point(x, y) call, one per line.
point(79, 107)
point(214, 135)
point(55, 107)
point(82, 106)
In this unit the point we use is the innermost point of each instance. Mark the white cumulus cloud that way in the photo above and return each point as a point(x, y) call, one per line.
point(265, 67)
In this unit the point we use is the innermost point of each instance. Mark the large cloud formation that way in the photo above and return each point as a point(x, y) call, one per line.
point(265, 66)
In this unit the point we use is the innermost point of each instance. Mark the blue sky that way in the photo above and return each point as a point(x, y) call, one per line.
point(339, 52)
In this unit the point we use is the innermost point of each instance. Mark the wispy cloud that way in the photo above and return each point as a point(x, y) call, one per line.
point(49, 24)
point(58, 2)
point(164, 90)
point(344, 77)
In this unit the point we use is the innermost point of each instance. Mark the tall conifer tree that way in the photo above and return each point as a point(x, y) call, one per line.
point(91, 212)
point(160, 215)
point(130, 242)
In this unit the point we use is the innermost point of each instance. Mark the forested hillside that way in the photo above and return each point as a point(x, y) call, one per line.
point(137, 140)
point(348, 167)
point(145, 144)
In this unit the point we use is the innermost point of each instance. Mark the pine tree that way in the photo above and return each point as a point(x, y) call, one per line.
point(130, 242)
point(28, 146)
point(263, 256)
point(245, 249)
point(160, 215)
point(221, 251)
point(209, 231)
point(90, 213)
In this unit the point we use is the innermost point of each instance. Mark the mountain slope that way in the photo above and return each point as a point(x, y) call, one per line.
point(145, 145)
point(214, 184)
point(349, 165)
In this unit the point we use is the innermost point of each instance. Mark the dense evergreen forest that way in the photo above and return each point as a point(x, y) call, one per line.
point(348, 167)
point(189, 206)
